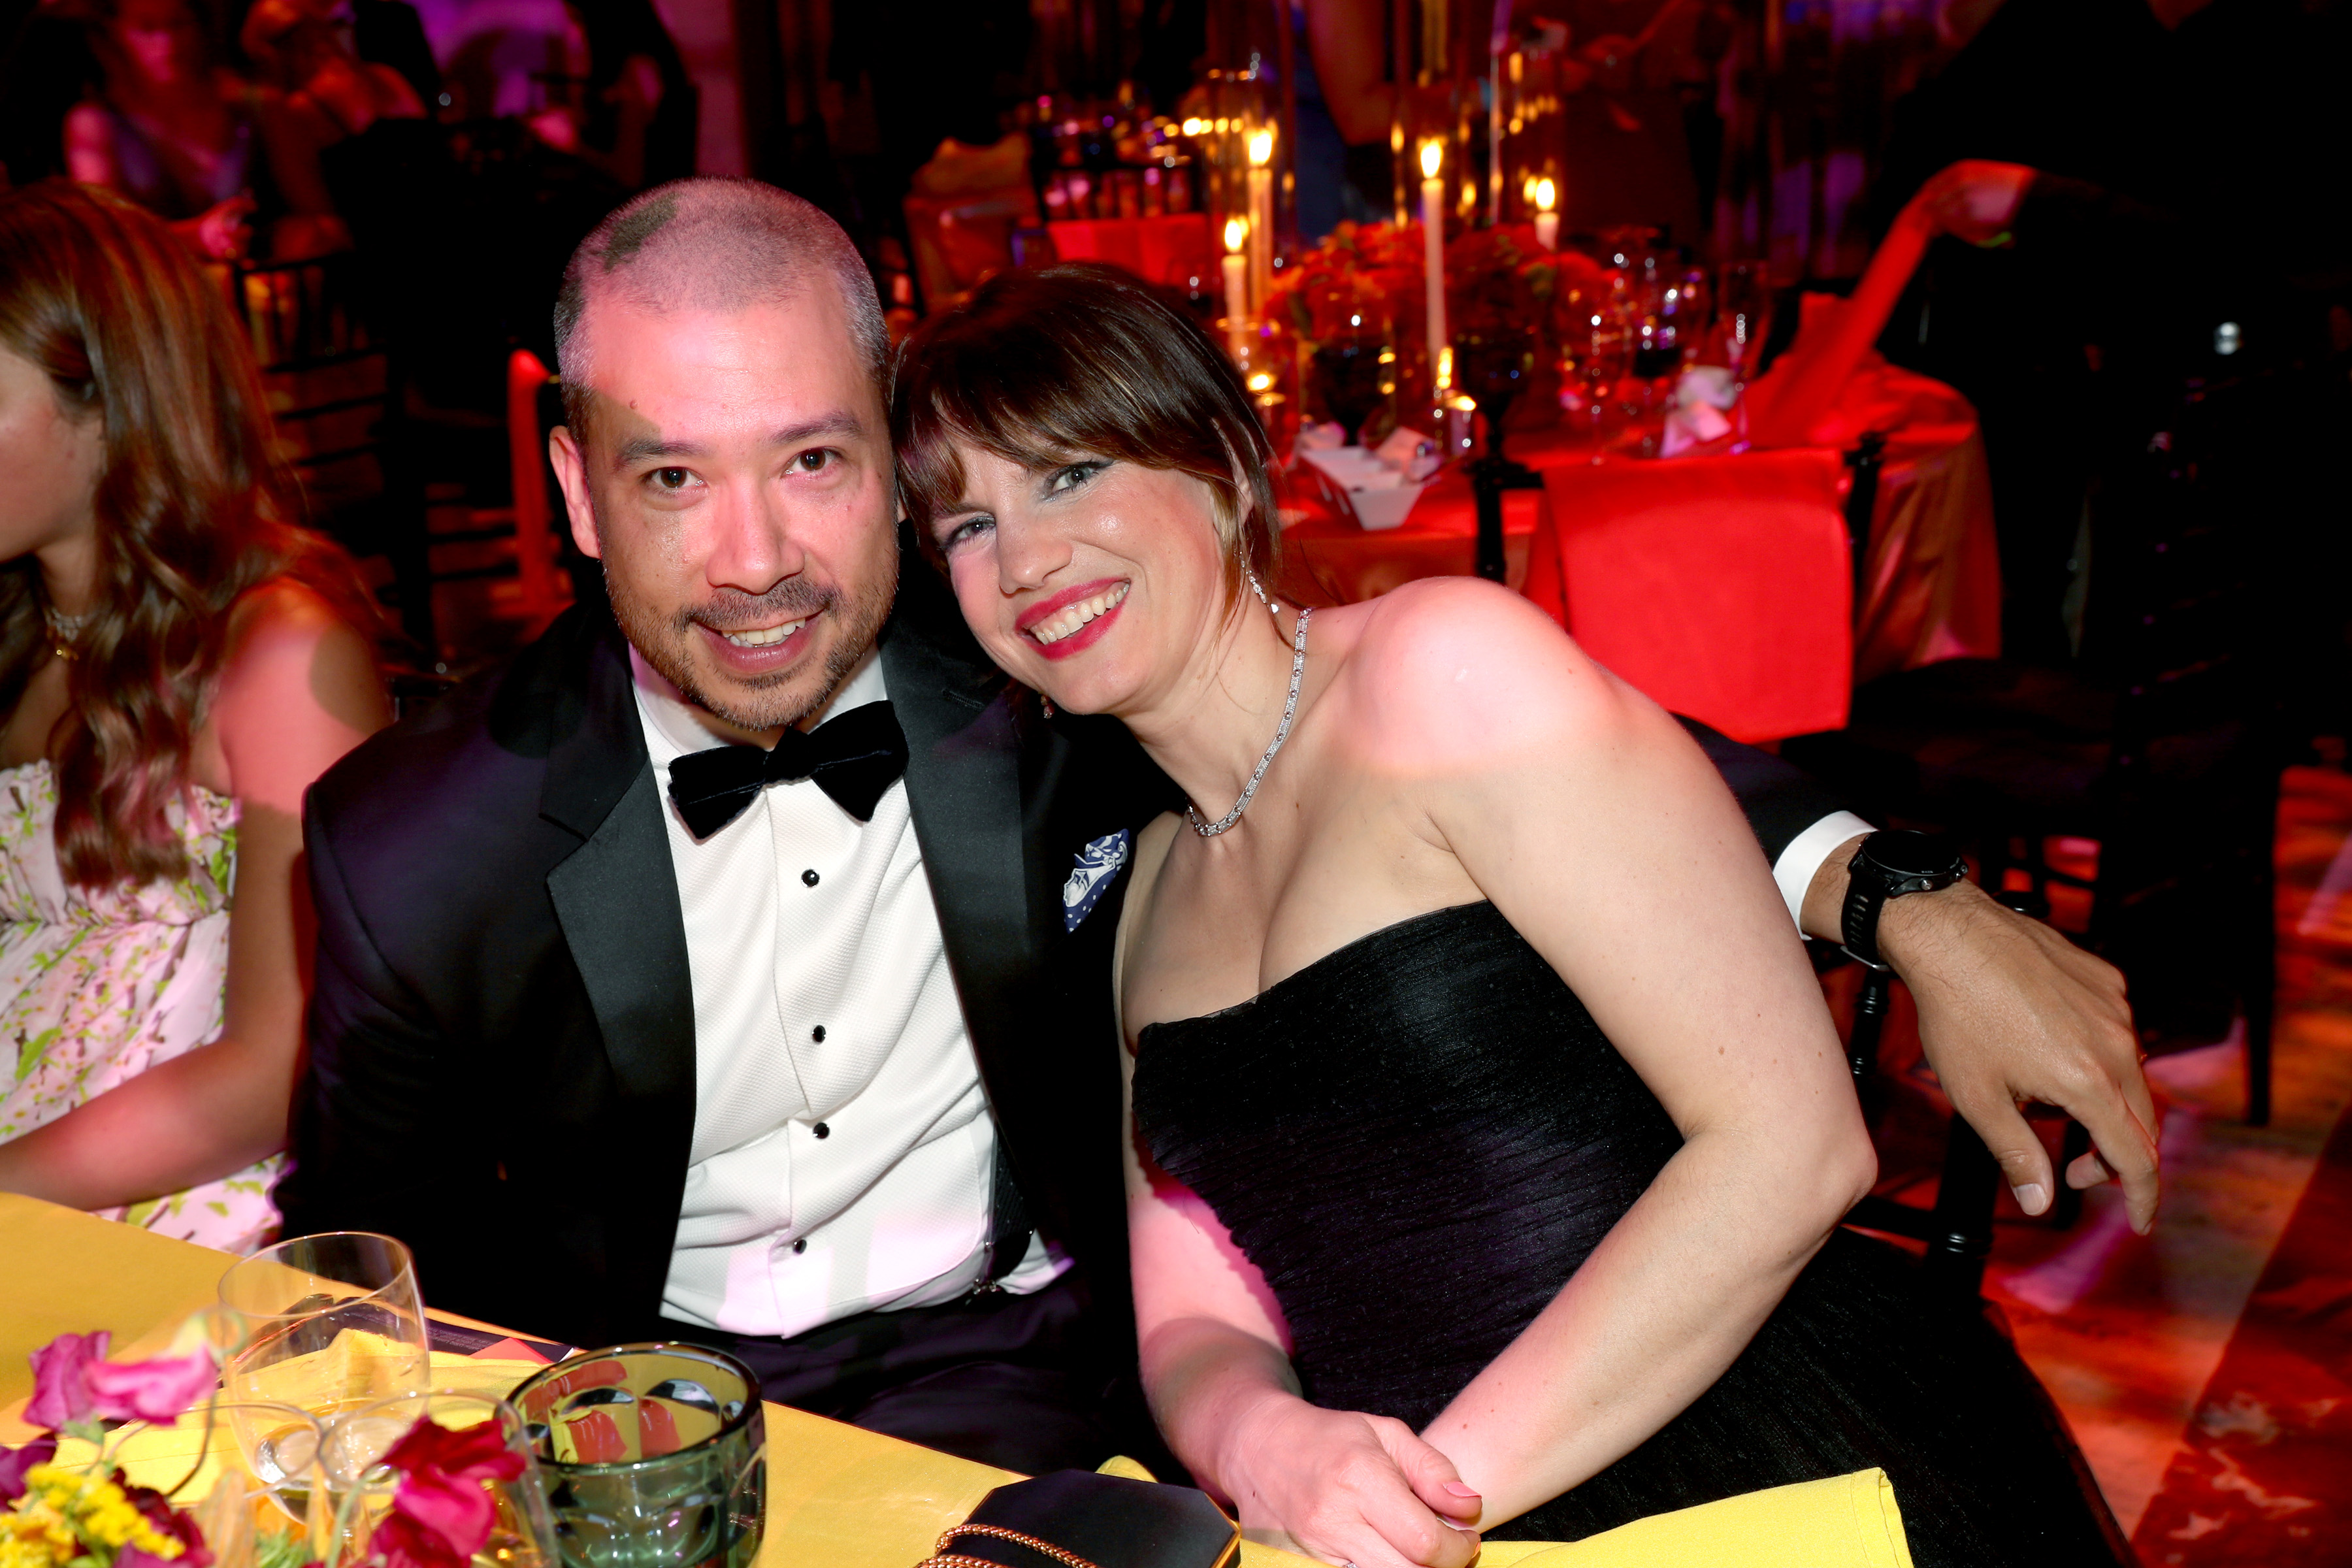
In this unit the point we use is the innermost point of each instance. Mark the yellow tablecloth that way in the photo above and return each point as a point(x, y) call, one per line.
point(837, 1494)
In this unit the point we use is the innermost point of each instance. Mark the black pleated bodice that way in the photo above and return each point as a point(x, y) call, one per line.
point(1418, 1139)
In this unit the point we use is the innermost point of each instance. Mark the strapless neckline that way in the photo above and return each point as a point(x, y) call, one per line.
point(1418, 1138)
point(1303, 973)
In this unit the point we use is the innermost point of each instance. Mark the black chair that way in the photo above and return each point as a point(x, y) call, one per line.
point(2162, 741)
point(335, 397)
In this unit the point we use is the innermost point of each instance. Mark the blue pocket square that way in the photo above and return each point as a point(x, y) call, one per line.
point(1094, 870)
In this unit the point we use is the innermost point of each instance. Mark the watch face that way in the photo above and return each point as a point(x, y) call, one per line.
point(1908, 854)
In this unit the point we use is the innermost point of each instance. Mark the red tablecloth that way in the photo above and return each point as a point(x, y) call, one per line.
point(1722, 586)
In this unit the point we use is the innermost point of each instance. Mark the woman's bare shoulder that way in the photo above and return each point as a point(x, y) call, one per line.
point(1455, 671)
point(288, 645)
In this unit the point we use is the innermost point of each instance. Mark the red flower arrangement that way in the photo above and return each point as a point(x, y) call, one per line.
point(95, 1517)
point(440, 1515)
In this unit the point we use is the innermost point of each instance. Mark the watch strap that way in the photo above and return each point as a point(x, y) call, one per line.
point(1870, 883)
point(1865, 899)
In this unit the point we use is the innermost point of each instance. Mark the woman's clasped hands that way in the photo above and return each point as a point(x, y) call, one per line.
point(1348, 1487)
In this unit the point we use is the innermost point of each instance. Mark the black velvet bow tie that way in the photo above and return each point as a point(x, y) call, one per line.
point(853, 758)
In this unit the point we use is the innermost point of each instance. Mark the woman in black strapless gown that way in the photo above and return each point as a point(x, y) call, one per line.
point(1435, 1091)
point(1389, 1175)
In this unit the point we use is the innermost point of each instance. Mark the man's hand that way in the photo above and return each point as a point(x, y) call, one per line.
point(2011, 1011)
point(1348, 1488)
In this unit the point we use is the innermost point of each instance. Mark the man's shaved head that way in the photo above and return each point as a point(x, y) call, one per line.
point(712, 244)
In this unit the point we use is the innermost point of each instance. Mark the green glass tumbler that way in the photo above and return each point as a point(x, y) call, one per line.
point(655, 1455)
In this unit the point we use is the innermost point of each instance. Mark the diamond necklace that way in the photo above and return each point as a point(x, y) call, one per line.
point(63, 630)
point(1281, 733)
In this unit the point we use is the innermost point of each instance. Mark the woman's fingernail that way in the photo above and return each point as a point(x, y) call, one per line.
point(2032, 1197)
point(1459, 1489)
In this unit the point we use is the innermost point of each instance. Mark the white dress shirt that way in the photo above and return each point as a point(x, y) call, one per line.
point(843, 1154)
point(1800, 859)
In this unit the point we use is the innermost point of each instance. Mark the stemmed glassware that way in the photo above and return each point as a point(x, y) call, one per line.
point(1604, 357)
point(333, 1323)
point(360, 1487)
point(1493, 366)
point(1493, 363)
point(1743, 316)
point(1355, 357)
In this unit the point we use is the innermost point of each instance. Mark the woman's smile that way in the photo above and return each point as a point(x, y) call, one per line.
point(1075, 618)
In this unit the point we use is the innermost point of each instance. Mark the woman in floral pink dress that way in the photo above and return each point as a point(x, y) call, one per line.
point(177, 663)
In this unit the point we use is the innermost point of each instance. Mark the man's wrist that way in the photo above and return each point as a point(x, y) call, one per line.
point(1914, 927)
point(1904, 925)
point(1811, 868)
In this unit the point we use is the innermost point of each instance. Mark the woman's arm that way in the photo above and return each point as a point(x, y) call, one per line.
point(1216, 1368)
point(1596, 826)
point(299, 689)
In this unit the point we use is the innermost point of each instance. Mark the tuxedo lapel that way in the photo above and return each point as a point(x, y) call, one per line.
point(964, 787)
point(616, 899)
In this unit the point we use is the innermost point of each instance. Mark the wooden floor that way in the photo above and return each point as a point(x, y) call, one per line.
point(2207, 1370)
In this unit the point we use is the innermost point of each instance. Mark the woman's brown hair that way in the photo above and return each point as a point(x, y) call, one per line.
point(1040, 367)
point(192, 509)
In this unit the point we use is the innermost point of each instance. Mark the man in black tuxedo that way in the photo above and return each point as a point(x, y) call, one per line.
point(652, 1000)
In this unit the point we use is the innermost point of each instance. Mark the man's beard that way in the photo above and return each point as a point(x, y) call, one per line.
point(763, 701)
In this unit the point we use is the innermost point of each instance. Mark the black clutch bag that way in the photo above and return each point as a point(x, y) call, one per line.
point(1076, 1519)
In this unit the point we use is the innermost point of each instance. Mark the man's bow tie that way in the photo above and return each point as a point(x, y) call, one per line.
point(853, 758)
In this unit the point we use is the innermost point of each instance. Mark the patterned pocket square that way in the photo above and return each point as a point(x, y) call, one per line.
point(1096, 867)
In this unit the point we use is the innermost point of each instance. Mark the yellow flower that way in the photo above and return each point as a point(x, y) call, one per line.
point(96, 1509)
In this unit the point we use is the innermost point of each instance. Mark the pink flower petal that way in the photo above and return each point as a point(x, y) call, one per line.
point(157, 1390)
point(61, 1393)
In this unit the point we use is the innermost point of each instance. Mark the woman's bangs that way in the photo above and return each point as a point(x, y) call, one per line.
point(947, 410)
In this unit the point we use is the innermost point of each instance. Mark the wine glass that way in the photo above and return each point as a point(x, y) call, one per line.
point(1743, 316)
point(334, 1322)
point(1493, 366)
point(1355, 359)
point(1606, 359)
point(358, 1488)
point(1356, 376)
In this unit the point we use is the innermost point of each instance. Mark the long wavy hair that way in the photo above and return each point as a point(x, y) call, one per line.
point(193, 508)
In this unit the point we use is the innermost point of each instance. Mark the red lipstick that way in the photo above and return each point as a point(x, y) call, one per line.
point(1085, 636)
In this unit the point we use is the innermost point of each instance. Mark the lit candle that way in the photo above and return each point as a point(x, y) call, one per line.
point(1433, 231)
point(1547, 220)
point(1236, 285)
point(1261, 218)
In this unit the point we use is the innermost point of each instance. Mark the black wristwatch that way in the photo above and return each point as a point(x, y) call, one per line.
point(1889, 865)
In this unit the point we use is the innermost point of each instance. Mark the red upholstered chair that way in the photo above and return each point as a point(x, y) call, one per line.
point(1722, 587)
point(1174, 250)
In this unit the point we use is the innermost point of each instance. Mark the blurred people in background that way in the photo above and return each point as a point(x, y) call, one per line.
point(390, 33)
point(167, 129)
point(177, 663)
point(2187, 168)
point(349, 121)
point(635, 122)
